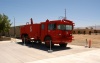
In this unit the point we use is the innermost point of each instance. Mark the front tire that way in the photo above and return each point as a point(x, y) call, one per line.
point(47, 42)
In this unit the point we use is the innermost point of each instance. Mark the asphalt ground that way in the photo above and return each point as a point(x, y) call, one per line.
point(16, 52)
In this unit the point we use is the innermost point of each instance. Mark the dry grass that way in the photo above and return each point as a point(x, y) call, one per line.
point(80, 39)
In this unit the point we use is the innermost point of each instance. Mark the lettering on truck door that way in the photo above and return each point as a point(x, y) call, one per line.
point(30, 28)
point(30, 33)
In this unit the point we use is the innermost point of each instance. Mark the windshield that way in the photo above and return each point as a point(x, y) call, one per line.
point(64, 27)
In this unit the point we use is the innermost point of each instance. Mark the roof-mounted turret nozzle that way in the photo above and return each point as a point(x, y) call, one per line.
point(31, 21)
point(47, 20)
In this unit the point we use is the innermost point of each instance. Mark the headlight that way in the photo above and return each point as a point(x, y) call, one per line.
point(66, 32)
point(59, 34)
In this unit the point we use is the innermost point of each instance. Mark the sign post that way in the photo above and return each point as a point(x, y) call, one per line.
point(24, 41)
point(50, 48)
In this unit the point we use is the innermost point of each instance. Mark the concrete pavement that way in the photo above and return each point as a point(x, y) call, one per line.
point(83, 57)
point(16, 52)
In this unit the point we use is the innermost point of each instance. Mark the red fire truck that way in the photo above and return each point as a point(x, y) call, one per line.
point(55, 31)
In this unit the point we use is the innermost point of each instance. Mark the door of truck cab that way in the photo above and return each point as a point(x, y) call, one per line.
point(42, 30)
point(52, 29)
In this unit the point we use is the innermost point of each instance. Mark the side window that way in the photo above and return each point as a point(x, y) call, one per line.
point(51, 26)
point(54, 27)
point(42, 26)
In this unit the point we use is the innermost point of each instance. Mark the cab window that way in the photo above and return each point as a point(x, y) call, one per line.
point(42, 26)
point(51, 26)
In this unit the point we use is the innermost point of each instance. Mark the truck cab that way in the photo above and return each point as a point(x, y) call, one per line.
point(57, 31)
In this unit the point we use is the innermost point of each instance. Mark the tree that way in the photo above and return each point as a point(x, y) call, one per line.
point(84, 32)
point(89, 32)
point(4, 24)
point(78, 32)
point(86, 27)
point(91, 28)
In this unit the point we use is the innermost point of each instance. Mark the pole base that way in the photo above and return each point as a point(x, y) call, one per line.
point(86, 46)
point(24, 44)
point(50, 51)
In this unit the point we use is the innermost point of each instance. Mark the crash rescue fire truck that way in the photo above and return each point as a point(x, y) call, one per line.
point(55, 31)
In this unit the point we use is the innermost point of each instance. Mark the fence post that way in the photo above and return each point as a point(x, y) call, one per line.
point(86, 44)
point(89, 43)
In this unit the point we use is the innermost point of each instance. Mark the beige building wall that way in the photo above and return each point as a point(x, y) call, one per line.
point(82, 31)
point(11, 31)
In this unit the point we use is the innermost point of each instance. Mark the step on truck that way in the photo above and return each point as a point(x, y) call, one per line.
point(55, 31)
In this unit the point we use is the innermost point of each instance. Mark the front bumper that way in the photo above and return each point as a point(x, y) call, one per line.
point(62, 40)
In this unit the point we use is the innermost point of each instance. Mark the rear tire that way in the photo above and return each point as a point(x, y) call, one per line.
point(23, 38)
point(63, 45)
point(39, 41)
point(26, 38)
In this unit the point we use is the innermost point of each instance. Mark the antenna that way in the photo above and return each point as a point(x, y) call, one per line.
point(62, 17)
point(65, 14)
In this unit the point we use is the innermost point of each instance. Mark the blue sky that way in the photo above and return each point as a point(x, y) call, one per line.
point(81, 12)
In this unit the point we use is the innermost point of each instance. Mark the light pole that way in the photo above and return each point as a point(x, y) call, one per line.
point(14, 28)
point(95, 30)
